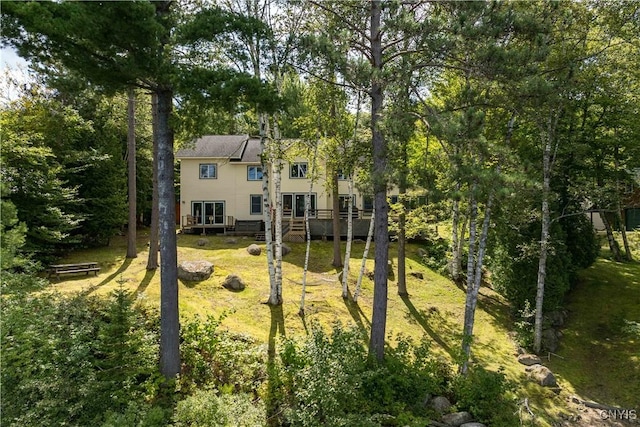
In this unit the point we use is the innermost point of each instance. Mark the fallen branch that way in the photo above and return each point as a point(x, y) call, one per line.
point(553, 354)
point(526, 405)
point(595, 405)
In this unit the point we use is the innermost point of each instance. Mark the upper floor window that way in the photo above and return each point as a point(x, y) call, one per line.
point(254, 173)
point(208, 171)
point(298, 170)
point(342, 176)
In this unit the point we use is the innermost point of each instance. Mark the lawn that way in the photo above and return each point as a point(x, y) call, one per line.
point(598, 358)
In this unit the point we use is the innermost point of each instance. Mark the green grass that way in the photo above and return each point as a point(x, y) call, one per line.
point(600, 348)
point(599, 360)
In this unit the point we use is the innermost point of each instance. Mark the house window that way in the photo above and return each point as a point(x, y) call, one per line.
point(394, 199)
point(208, 171)
point(367, 203)
point(254, 173)
point(343, 201)
point(341, 175)
point(293, 205)
point(255, 207)
point(208, 212)
point(298, 170)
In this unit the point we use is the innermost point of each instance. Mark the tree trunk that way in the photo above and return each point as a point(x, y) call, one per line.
point(474, 289)
point(381, 232)
point(335, 205)
point(266, 199)
point(623, 231)
point(544, 245)
point(402, 237)
point(131, 163)
point(152, 260)
point(455, 246)
point(307, 208)
point(365, 254)
point(613, 245)
point(623, 228)
point(169, 317)
point(471, 263)
point(275, 294)
point(347, 251)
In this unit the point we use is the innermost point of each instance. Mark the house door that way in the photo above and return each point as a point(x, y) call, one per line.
point(208, 213)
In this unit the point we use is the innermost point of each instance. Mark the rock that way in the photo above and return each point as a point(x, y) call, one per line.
point(195, 271)
point(550, 340)
point(542, 375)
point(254, 249)
point(285, 249)
point(529, 359)
point(369, 274)
point(234, 283)
point(231, 241)
point(555, 318)
point(474, 424)
point(417, 275)
point(202, 242)
point(456, 419)
point(440, 404)
point(422, 252)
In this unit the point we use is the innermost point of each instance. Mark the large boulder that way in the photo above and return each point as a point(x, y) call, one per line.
point(286, 249)
point(440, 404)
point(529, 359)
point(202, 242)
point(456, 419)
point(555, 318)
point(195, 271)
point(473, 424)
point(542, 375)
point(254, 249)
point(233, 283)
point(551, 339)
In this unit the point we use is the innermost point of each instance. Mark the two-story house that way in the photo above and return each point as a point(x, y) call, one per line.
point(221, 185)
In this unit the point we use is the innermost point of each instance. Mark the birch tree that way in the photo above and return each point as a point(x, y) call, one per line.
point(375, 30)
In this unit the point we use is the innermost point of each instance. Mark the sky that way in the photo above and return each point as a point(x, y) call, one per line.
point(16, 68)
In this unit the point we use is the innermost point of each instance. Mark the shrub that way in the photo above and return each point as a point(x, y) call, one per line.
point(219, 359)
point(436, 253)
point(69, 360)
point(488, 396)
point(330, 380)
point(204, 408)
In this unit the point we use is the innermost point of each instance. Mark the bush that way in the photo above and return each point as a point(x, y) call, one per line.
point(436, 253)
point(70, 360)
point(205, 408)
point(488, 396)
point(330, 380)
point(514, 266)
point(216, 358)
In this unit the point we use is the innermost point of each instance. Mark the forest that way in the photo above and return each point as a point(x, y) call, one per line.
point(512, 123)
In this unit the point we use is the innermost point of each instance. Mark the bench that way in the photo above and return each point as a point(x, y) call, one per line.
point(82, 267)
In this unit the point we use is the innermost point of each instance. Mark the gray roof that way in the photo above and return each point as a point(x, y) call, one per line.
point(233, 147)
point(252, 152)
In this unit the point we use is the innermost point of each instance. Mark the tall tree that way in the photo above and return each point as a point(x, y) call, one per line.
point(124, 44)
point(131, 162)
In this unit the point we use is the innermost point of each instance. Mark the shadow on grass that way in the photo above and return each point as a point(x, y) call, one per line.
point(126, 263)
point(146, 280)
point(496, 308)
point(357, 314)
point(276, 328)
point(423, 320)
